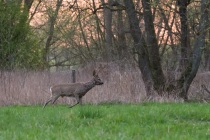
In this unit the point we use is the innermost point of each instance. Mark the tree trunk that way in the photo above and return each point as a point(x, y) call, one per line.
point(189, 74)
point(140, 46)
point(153, 48)
point(52, 20)
point(108, 29)
point(122, 48)
point(185, 47)
point(207, 51)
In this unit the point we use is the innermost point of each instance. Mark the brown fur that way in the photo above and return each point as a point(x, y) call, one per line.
point(76, 90)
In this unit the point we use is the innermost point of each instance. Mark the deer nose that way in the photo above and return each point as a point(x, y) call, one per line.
point(100, 83)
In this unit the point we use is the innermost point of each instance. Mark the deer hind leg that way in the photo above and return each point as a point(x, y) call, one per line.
point(49, 100)
point(52, 99)
point(55, 98)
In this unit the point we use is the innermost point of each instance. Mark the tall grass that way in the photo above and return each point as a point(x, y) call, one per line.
point(32, 87)
point(120, 85)
point(116, 121)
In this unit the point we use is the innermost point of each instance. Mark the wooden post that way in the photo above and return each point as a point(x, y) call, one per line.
point(73, 75)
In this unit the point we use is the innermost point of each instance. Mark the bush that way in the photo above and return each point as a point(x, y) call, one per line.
point(18, 45)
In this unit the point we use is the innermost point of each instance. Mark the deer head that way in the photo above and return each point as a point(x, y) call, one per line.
point(97, 78)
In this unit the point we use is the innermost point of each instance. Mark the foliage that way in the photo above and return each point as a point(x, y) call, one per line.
point(17, 43)
point(119, 121)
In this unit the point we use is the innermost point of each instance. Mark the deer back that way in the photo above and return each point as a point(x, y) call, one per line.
point(66, 88)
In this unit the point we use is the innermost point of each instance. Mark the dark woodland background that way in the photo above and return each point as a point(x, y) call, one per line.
point(150, 50)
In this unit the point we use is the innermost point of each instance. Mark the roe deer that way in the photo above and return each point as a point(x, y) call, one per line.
point(76, 90)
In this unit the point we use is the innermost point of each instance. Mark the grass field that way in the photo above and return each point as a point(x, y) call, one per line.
point(178, 121)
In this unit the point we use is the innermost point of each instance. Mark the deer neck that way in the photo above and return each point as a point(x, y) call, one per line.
point(90, 84)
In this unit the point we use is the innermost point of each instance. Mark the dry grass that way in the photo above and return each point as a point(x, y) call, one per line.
point(120, 85)
point(32, 87)
point(197, 92)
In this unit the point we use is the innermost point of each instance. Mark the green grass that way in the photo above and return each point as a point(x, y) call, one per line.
point(152, 121)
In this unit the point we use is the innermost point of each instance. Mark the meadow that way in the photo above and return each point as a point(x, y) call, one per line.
point(162, 121)
point(118, 110)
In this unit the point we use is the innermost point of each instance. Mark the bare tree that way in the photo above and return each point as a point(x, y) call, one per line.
point(148, 53)
point(140, 46)
point(184, 38)
point(52, 20)
point(153, 48)
point(108, 28)
point(121, 38)
point(191, 71)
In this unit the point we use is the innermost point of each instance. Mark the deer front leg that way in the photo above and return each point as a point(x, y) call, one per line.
point(78, 101)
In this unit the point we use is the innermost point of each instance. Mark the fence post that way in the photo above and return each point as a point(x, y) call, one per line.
point(73, 75)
